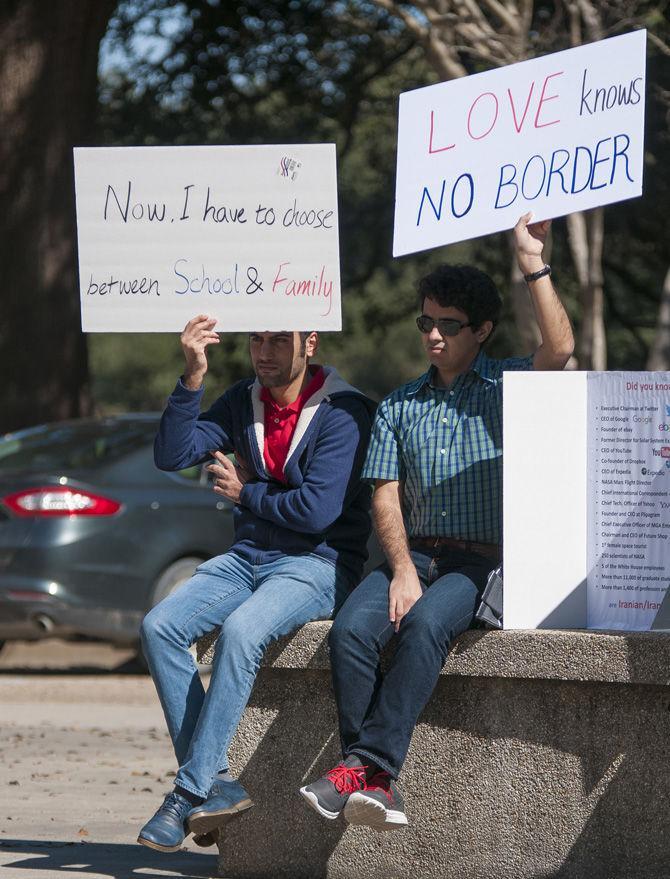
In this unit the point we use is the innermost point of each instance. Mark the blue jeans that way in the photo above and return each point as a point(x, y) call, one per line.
point(254, 605)
point(377, 714)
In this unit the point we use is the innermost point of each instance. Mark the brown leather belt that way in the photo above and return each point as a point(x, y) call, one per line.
point(488, 550)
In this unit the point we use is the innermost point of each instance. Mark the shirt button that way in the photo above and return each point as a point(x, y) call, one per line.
point(276, 421)
point(444, 512)
point(451, 393)
point(443, 451)
point(444, 420)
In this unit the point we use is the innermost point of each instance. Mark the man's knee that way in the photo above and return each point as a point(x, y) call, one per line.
point(149, 628)
point(423, 624)
point(242, 639)
point(155, 626)
point(348, 631)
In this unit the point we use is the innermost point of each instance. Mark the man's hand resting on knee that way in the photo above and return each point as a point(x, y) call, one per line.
point(404, 591)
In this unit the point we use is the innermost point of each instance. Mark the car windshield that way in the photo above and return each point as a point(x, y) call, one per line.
point(73, 445)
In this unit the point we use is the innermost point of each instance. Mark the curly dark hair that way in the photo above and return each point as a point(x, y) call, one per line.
point(463, 287)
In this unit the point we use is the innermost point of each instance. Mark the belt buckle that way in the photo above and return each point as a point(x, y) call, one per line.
point(436, 544)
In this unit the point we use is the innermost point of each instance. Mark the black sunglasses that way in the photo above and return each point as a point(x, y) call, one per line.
point(446, 326)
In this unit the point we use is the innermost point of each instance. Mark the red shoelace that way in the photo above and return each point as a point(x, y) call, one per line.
point(381, 781)
point(347, 779)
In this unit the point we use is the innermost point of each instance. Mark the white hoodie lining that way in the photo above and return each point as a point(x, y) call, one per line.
point(334, 383)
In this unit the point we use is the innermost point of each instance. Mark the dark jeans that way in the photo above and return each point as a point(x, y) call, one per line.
point(378, 713)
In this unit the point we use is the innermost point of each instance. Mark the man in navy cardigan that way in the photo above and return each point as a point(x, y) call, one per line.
point(301, 517)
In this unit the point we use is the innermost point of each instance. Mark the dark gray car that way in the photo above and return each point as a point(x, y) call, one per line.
point(91, 534)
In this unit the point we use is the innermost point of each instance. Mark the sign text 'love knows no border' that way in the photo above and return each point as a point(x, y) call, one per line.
point(553, 135)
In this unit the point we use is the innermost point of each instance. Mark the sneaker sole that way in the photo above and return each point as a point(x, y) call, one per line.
point(204, 822)
point(157, 847)
point(371, 813)
point(313, 801)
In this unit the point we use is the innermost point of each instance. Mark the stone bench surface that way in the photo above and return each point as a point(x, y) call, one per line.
point(568, 655)
point(542, 754)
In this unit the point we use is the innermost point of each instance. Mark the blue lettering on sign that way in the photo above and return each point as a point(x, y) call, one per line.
point(573, 171)
point(462, 191)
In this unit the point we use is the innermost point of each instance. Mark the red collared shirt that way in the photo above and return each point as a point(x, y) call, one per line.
point(280, 423)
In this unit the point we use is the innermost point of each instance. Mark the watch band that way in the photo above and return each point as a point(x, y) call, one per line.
point(533, 276)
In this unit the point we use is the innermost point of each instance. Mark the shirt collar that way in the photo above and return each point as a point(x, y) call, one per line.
point(481, 366)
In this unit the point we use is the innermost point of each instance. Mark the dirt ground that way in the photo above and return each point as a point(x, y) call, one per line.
point(85, 762)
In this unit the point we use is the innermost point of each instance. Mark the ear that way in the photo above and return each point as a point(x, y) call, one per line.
point(484, 331)
point(312, 344)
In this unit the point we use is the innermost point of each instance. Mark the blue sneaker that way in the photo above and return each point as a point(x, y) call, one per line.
point(225, 800)
point(166, 831)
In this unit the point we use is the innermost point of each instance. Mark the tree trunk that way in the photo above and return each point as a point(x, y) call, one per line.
point(48, 94)
point(586, 231)
point(659, 356)
point(585, 237)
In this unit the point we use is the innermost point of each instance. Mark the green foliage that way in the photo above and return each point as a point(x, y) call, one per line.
point(280, 71)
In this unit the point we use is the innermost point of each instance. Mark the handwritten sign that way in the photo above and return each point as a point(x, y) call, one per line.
point(553, 135)
point(246, 234)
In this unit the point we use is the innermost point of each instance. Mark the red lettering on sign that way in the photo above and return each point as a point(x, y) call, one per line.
point(430, 144)
point(544, 99)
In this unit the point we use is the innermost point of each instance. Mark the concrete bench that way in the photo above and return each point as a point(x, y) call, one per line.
point(541, 754)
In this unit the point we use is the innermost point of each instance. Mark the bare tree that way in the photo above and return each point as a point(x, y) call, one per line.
point(659, 355)
point(586, 231)
point(494, 33)
point(48, 93)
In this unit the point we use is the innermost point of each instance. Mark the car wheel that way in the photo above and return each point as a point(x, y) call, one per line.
point(173, 577)
point(170, 579)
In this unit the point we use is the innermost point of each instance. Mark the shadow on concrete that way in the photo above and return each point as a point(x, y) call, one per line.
point(621, 824)
point(114, 860)
point(635, 800)
point(617, 736)
point(302, 739)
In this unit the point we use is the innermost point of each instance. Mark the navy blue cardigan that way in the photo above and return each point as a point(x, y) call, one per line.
point(324, 508)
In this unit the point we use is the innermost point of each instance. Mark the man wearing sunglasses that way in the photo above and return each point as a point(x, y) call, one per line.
point(435, 459)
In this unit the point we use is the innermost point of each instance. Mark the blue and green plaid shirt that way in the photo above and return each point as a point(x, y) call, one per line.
point(445, 445)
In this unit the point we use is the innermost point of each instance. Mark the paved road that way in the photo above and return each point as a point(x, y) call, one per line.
point(85, 761)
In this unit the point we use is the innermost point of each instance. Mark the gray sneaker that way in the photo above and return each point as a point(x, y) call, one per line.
point(378, 805)
point(328, 795)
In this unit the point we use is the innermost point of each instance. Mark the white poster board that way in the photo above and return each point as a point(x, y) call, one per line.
point(586, 500)
point(246, 234)
point(544, 500)
point(552, 135)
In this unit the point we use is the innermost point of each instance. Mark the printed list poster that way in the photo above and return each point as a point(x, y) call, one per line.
point(628, 488)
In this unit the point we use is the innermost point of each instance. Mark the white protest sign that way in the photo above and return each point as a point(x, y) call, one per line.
point(246, 234)
point(553, 135)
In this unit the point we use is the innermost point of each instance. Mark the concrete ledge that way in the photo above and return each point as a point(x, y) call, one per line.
point(541, 754)
point(576, 655)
